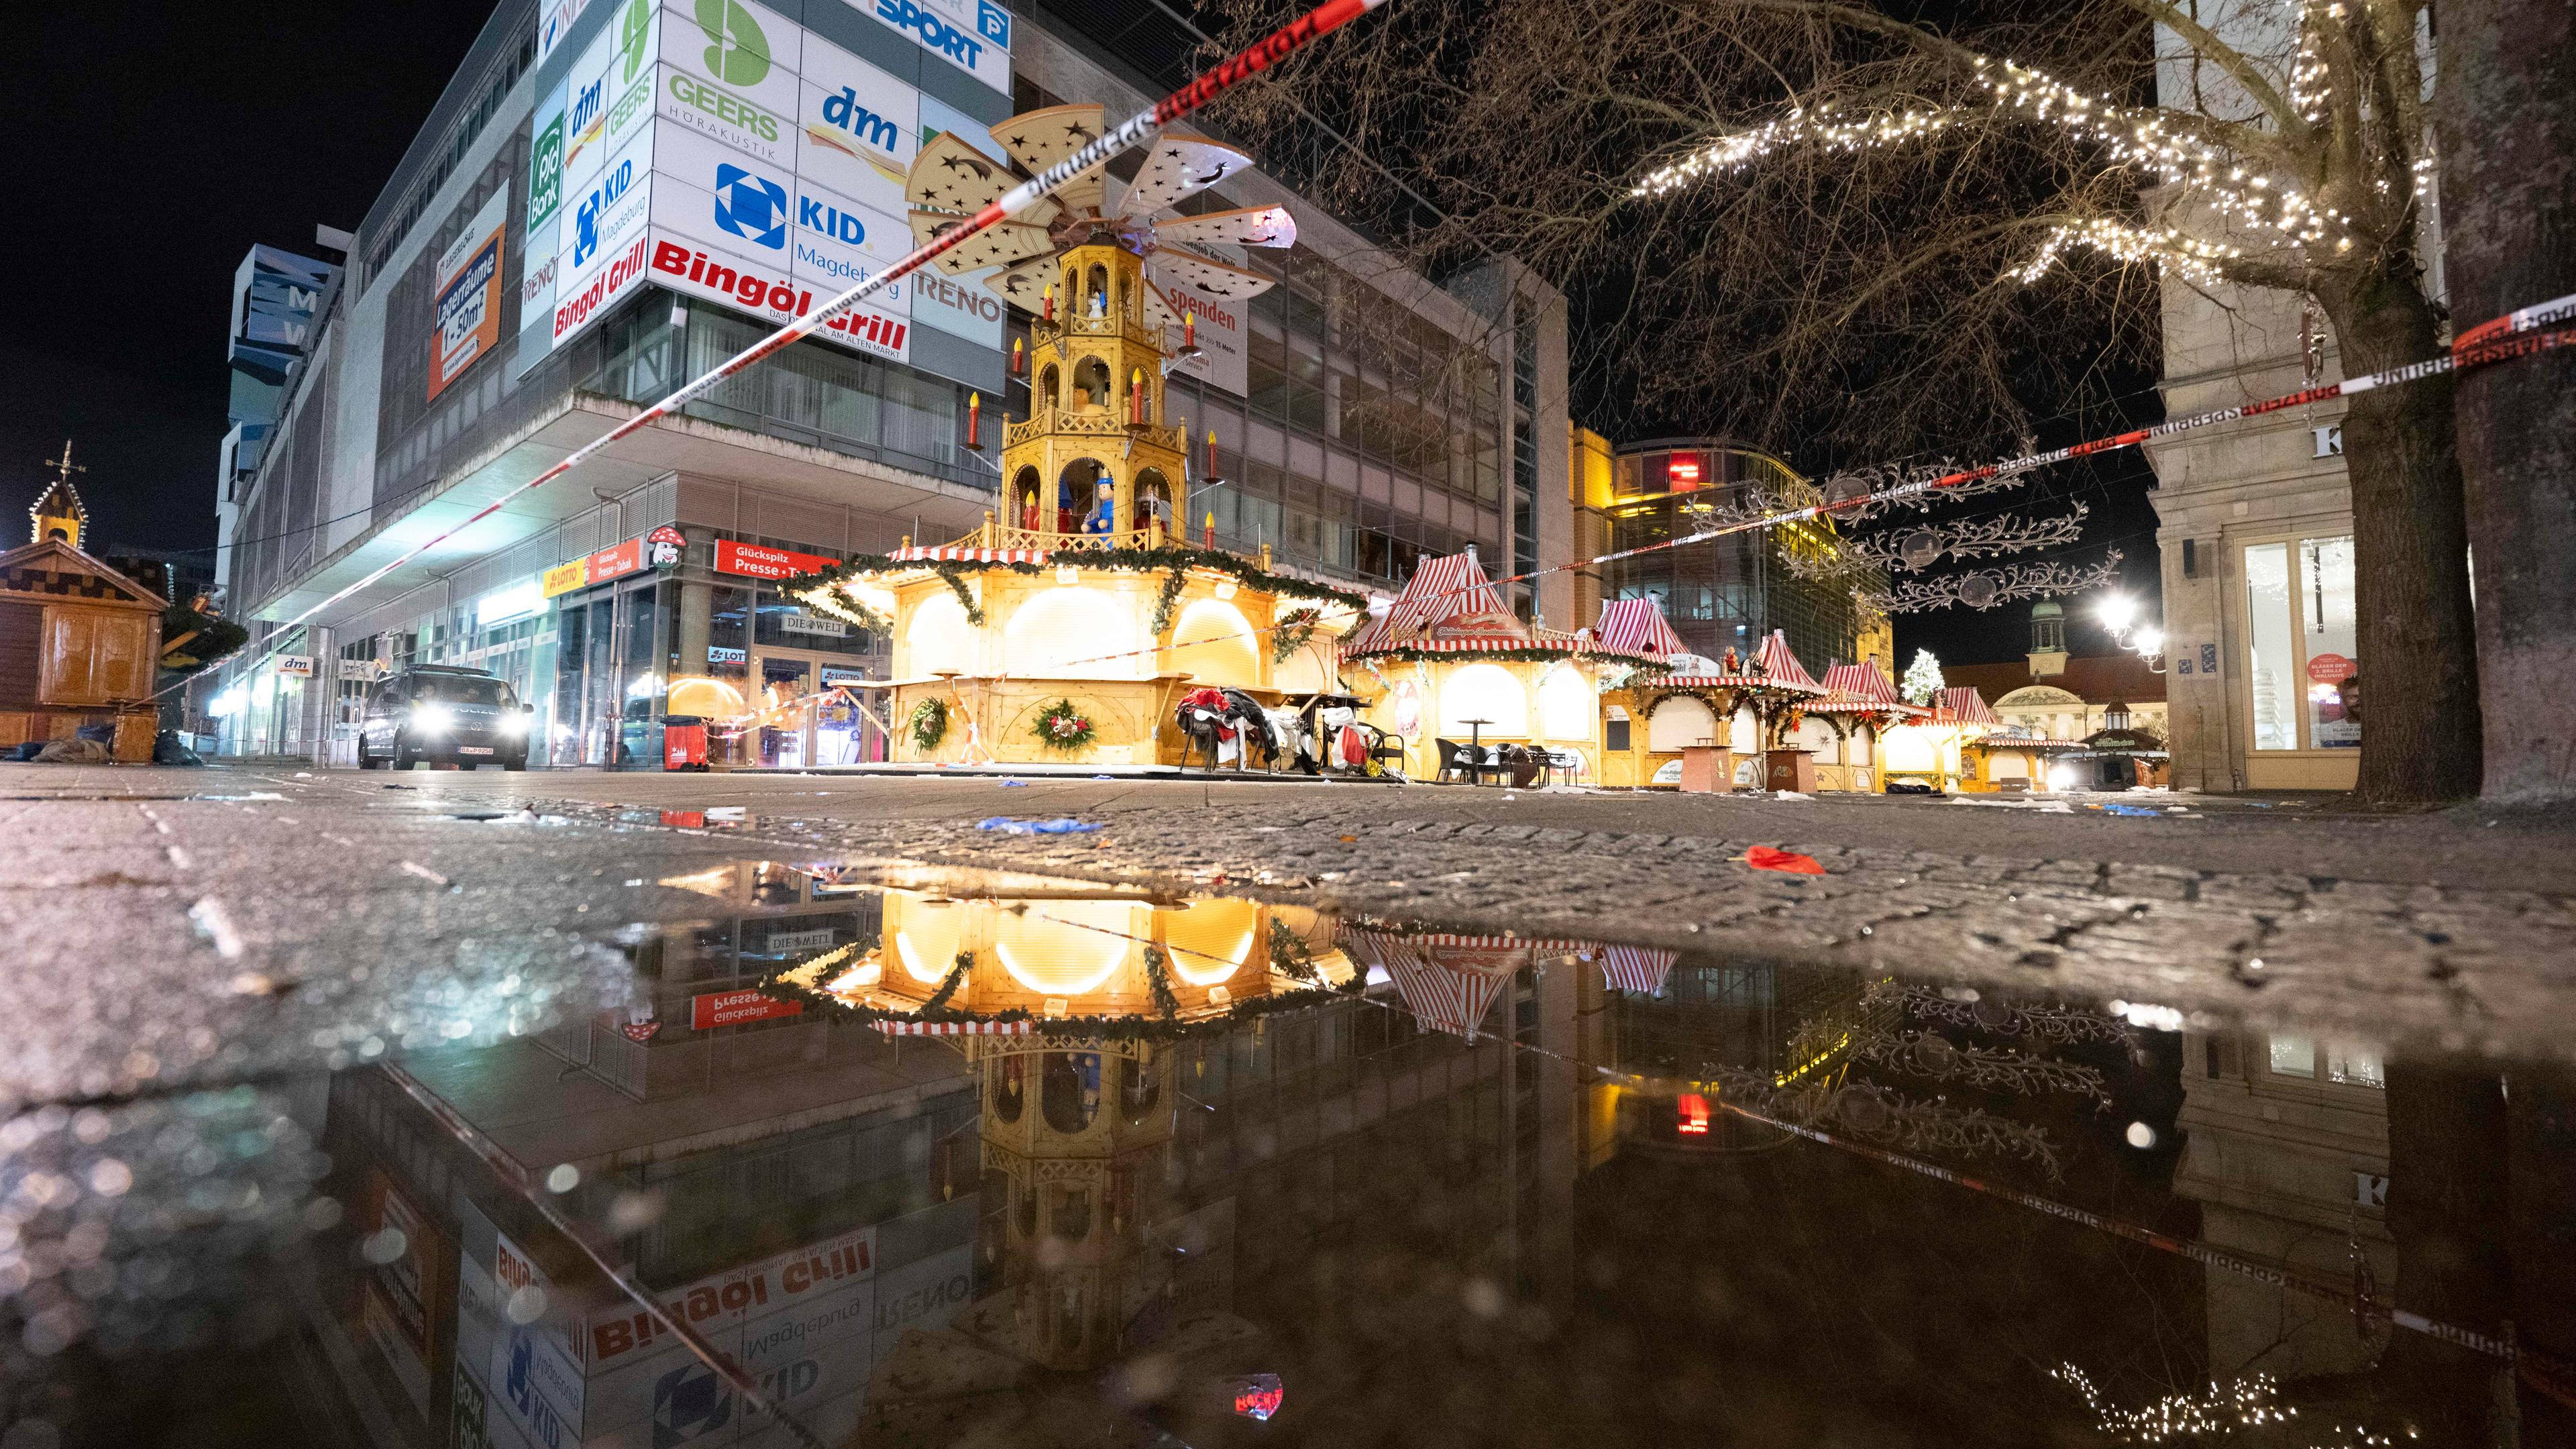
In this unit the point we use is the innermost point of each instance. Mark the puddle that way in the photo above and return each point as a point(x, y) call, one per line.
point(841, 1157)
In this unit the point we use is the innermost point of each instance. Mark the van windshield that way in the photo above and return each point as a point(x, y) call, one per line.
point(452, 689)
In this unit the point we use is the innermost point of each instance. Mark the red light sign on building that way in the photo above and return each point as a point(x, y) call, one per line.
point(1692, 1117)
point(1258, 1396)
point(1683, 472)
point(752, 560)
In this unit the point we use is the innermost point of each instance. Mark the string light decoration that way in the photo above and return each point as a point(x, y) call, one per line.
point(2225, 1411)
point(1869, 563)
point(2252, 177)
point(1987, 588)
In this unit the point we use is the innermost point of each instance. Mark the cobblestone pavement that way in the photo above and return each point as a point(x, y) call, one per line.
point(169, 923)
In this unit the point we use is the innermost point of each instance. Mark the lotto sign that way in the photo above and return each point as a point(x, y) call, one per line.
point(467, 313)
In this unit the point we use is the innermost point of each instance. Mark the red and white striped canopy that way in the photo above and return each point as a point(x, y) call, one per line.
point(1781, 671)
point(1636, 968)
point(1783, 666)
point(1450, 589)
point(949, 554)
point(956, 1028)
point(1637, 626)
point(1861, 689)
point(1961, 704)
point(1443, 993)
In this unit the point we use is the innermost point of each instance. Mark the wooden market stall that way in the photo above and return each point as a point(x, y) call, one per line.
point(79, 641)
point(2014, 760)
point(1456, 672)
point(1751, 712)
point(1928, 749)
point(1859, 706)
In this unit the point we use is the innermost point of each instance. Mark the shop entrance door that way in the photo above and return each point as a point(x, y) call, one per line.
point(784, 721)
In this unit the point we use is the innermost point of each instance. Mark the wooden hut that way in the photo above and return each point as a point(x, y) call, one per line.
point(1453, 664)
point(1857, 709)
point(1751, 708)
point(78, 646)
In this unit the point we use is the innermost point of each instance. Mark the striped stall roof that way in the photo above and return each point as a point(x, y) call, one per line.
point(1861, 689)
point(1448, 587)
point(1963, 705)
point(1636, 968)
point(950, 554)
point(1731, 681)
point(1637, 626)
point(1861, 681)
point(1438, 985)
point(1783, 666)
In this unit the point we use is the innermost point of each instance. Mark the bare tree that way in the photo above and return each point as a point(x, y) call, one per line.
point(1812, 219)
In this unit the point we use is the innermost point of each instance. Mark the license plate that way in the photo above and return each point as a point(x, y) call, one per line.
point(473, 749)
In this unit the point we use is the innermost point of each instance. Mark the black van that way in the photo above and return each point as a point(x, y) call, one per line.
point(448, 716)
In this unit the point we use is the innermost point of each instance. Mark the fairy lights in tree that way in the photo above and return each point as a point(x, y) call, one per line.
point(2229, 166)
point(2224, 1412)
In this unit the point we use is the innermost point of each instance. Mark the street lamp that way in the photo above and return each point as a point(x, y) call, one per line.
point(2119, 614)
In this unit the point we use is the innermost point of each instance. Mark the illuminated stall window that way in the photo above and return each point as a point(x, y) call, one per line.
point(1678, 723)
point(1215, 642)
point(1061, 625)
point(1487, 692)
point(938, 637)
point(1567, 707)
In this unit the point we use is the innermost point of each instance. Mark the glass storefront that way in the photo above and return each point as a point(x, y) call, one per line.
point(1725, 593)
point(2302, 664)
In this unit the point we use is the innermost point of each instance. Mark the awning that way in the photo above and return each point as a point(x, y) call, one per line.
point(1440, 996)
point(1636, 968)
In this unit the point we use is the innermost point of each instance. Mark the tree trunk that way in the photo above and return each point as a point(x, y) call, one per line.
point(2419, 695)
point(2506, 109)
point(2447, 1210)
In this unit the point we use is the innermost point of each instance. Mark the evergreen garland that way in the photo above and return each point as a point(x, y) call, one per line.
point(955, 574)
point(948, 985)
point(1164, 601)
point(1158, 980)
point(1140, 560)
point(1525, 654)
point(1290, 956)
point(1292, 631)
point(1111, 1028)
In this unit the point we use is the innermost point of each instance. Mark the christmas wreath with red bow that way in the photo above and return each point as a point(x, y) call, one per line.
point(1062, 727)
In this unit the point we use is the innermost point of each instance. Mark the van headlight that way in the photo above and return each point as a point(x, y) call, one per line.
point(431, 719)
point(512, 723)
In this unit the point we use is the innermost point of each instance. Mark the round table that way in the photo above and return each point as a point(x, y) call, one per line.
point(1476, 748)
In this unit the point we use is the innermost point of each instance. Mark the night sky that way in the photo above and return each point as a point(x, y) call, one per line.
point(175, 136)
point(159, 143)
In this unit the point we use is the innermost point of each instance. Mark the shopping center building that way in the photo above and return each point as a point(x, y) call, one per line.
point(1719, 594)
point(578, 229)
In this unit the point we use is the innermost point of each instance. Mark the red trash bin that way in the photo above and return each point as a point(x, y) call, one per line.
point(684, 742)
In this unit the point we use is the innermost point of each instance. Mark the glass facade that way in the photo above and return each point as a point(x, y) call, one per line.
point(1726, 593)
point(1370, 437)
point(2302, 664)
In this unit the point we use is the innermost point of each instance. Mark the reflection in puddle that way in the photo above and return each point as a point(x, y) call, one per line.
point(943, 1159)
